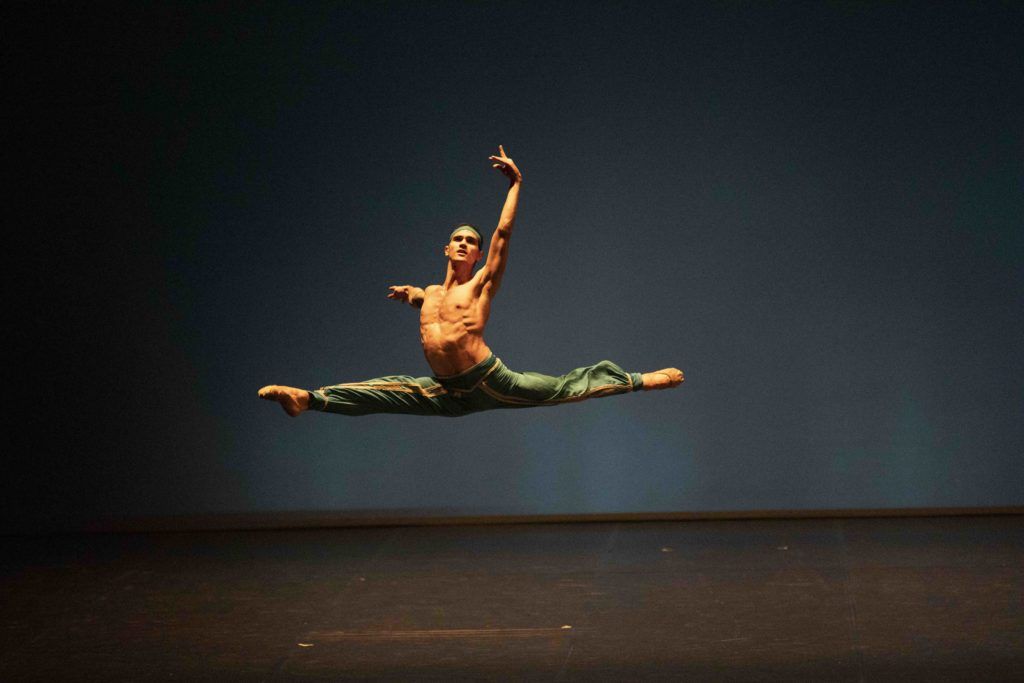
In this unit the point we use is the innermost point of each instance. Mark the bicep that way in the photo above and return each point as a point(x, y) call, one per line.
point(497, 257)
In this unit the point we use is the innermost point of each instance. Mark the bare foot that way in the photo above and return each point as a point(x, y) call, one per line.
point(293, 400)
point(662, 379)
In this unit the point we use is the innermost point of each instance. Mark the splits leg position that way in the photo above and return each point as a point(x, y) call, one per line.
point(504, 389)
point(294, 401)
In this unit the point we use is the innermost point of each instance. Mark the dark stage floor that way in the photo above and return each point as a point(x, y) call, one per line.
point(908, 599)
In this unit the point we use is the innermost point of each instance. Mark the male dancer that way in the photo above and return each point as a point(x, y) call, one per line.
point(467, 377)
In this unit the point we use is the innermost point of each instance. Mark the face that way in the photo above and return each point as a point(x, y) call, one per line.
point(464, 246)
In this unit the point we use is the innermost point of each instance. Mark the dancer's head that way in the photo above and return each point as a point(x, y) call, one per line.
point(464, 245)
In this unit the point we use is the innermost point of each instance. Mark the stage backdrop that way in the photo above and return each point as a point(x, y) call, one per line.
point(814, 211)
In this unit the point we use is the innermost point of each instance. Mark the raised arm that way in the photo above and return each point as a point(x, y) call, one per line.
point(497, 254)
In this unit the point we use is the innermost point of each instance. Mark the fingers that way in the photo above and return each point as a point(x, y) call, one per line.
point(503, 163)
point(501, 155)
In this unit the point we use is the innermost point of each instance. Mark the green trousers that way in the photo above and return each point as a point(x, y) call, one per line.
point(485, 386)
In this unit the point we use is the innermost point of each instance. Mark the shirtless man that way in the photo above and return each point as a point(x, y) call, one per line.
point(467, 376)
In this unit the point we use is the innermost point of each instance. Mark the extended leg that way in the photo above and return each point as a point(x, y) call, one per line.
point(522, 389)
point(393, 394)
point(401, 394)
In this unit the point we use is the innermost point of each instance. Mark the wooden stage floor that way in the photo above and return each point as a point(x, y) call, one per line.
point(882, 599)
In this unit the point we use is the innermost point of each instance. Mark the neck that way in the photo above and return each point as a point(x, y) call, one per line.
point(457, 274)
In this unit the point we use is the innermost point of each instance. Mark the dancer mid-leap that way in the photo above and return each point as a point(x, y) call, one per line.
point(467, 377)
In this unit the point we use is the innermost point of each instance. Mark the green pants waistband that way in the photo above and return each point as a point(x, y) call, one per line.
point(467, 380)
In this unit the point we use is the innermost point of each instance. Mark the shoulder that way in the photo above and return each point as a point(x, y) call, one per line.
point(431, 291)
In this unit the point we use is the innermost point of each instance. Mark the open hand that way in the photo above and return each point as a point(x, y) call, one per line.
point(506, 166)
point(400, 292)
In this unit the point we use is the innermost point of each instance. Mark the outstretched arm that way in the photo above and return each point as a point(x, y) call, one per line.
point(407, 293)
point(497, 254)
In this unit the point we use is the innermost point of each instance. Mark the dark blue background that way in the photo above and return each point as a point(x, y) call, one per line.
point(814, 210)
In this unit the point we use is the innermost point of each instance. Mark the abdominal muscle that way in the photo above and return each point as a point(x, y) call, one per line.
point(451, 329)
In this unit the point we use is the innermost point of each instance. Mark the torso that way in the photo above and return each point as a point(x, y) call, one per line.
point(452, 325)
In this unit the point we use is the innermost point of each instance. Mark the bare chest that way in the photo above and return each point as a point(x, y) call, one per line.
point(449, 306)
